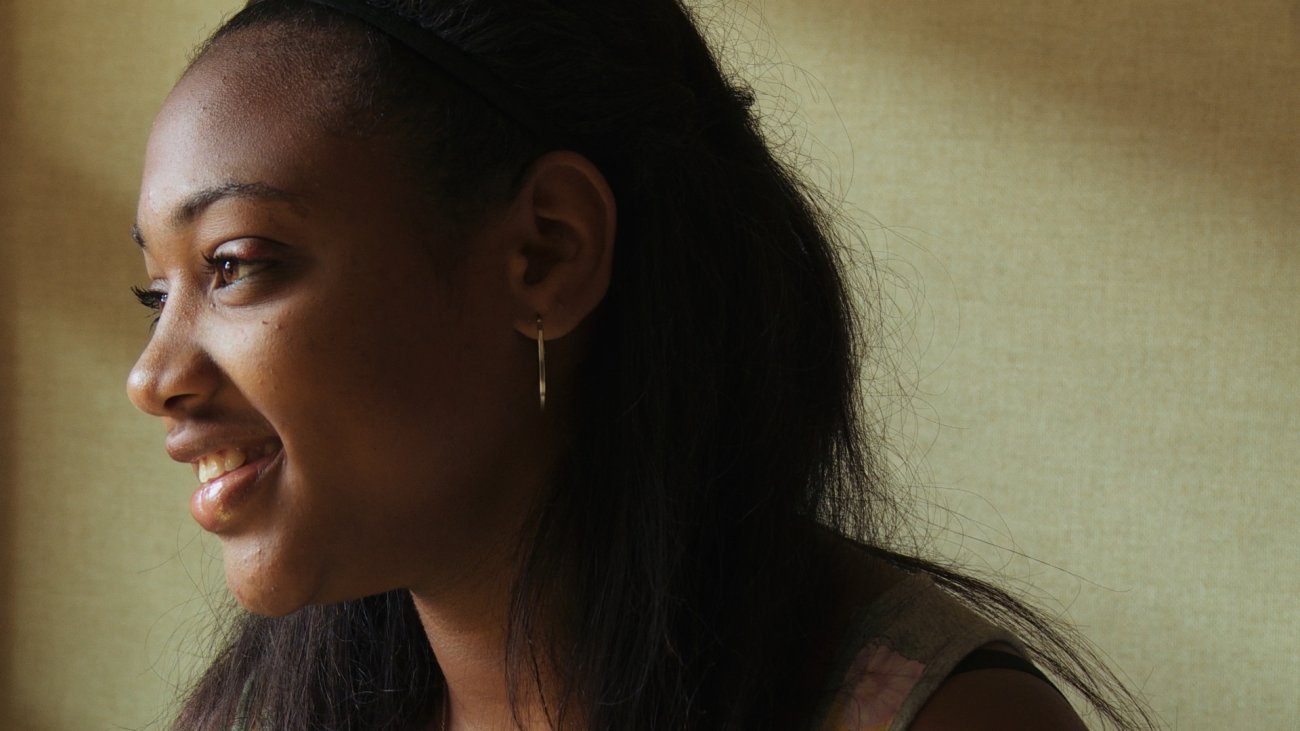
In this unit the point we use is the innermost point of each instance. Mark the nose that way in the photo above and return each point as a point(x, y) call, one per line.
point(174, 373)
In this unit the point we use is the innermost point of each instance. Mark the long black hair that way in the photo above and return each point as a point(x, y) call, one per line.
point(719, 462)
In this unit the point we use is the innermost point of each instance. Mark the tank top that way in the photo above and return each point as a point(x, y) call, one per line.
point(901, 649)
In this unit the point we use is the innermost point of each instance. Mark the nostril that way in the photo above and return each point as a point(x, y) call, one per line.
point(177, 402)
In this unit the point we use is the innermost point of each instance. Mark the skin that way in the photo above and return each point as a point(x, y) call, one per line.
point(401, 398)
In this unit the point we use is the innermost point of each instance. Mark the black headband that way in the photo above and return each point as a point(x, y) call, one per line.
point(453, 61)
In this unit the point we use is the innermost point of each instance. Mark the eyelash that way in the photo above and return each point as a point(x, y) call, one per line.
point(152, 299)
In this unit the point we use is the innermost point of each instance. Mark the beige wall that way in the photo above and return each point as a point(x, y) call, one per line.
point(1096, 207)
point(1088, 214)
point(93, 588)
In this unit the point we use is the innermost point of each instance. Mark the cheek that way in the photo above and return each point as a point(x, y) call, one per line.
point(344, 367)
point(380, 386)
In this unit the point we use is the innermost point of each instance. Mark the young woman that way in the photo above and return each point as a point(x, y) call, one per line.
point(520, 381)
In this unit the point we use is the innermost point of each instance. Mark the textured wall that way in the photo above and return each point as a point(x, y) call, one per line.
point(96, 546)
point(1095, 212)
point(1087, 219)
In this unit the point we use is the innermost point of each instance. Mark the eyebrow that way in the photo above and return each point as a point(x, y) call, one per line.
point(199, 201)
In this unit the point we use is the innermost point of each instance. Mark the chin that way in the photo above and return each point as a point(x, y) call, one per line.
point(265, 591)
point(265, 601)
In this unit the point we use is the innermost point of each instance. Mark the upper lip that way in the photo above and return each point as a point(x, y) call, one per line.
point(189, 447)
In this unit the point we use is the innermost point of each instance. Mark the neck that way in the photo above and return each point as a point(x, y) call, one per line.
point(467, 632)
point(465, 612)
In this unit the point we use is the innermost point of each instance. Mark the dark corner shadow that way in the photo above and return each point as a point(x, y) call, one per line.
point(8, 358)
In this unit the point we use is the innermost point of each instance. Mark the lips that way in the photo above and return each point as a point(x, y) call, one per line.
point(230, 478)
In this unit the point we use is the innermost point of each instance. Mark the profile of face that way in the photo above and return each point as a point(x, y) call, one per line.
point(360, 418)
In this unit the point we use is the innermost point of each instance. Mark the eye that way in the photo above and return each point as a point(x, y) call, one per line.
point(228, 270)
point(150, 298)
point(153, 299)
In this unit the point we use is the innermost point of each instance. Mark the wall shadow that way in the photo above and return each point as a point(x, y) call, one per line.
point(8, 363)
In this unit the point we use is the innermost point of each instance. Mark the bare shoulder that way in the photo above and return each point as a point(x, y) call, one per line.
point(1006, 700)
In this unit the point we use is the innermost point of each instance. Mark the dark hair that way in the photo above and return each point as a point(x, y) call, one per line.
point(720, 461)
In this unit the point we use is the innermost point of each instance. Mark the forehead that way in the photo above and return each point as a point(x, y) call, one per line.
point(314, 71)
point(232, 120)
point(248, 84)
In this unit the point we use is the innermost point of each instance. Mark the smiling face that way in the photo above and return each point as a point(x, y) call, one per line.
point(361, 418)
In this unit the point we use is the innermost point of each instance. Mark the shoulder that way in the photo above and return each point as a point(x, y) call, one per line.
point(1006, 700)
point(910, 668)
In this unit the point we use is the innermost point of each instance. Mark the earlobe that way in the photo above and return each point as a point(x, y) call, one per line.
point(560, 267)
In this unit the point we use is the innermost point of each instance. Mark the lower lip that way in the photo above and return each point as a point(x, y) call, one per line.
point(218, 505)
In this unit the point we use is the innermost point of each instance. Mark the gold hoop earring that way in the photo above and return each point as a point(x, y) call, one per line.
point(541, 365)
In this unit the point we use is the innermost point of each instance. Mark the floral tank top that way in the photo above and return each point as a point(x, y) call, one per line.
point(903, 647)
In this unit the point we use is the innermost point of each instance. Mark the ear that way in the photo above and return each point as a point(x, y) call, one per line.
point(559, 268)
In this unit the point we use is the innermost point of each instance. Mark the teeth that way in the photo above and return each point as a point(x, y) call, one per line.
point(233, 459)
point(212, 466)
